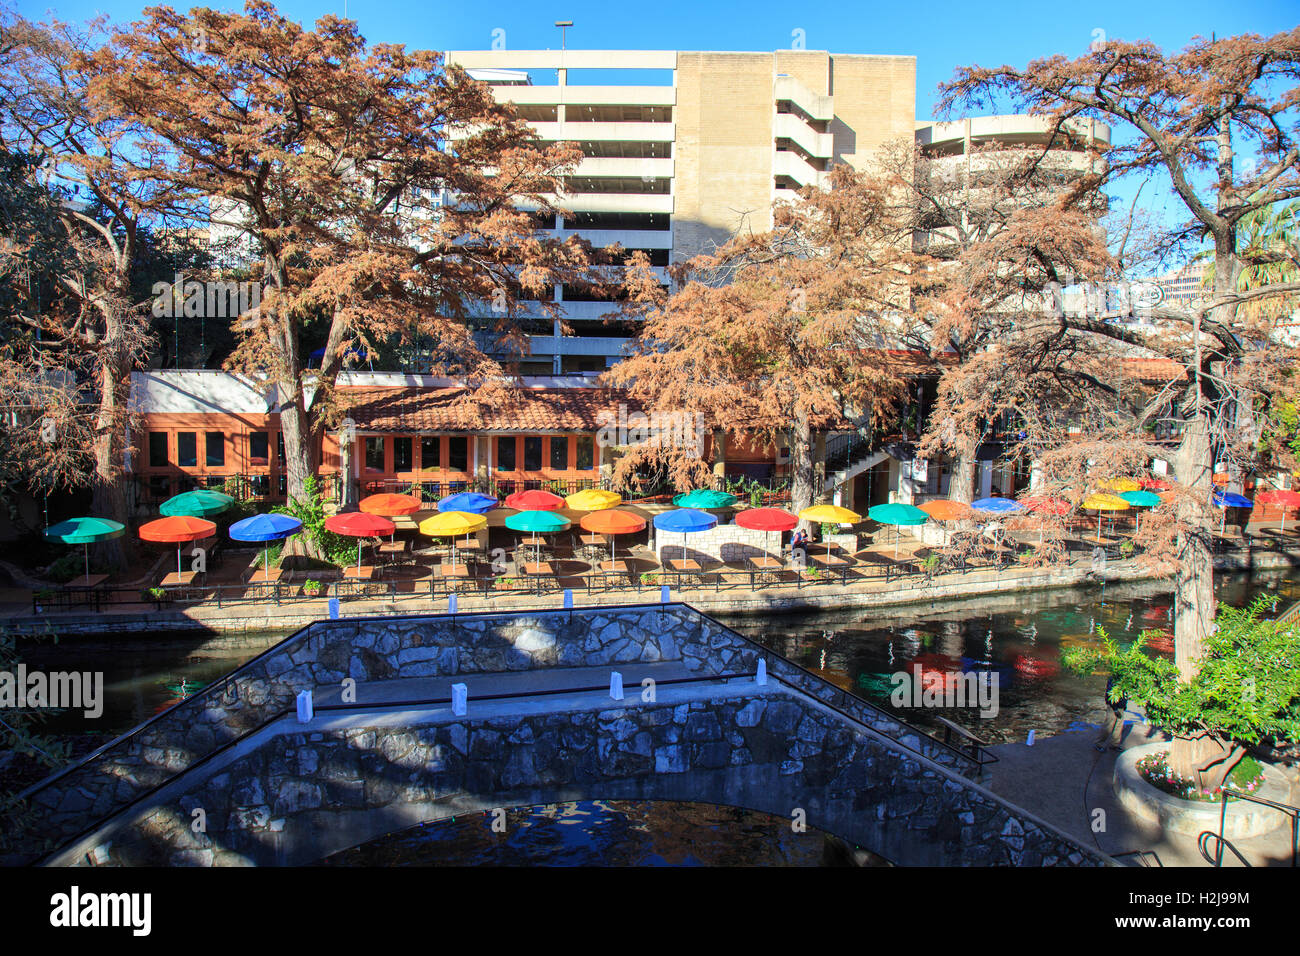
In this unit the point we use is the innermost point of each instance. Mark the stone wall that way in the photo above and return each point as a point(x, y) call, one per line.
point(380, 649)
point(302, 795)
point(723, 542)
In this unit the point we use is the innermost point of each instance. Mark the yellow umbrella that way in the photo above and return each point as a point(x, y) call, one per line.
point(1121, 484)
point(1101, 502)
point(593, 499)
point(830, 514)
point(448, 524)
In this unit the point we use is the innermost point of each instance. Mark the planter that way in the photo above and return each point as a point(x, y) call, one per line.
point(1244, 819)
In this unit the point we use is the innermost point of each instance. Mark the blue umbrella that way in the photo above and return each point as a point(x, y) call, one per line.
point(996, 505)
point(265, 527)
point(469, 501)
point(684, 521)
point(1229, 499)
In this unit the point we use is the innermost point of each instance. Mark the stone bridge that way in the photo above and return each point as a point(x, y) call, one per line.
point(232, 776)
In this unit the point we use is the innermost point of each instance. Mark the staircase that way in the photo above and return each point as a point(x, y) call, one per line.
point(848, 455)
point(1291, 615)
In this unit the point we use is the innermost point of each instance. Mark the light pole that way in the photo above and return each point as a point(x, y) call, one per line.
point(563, 25)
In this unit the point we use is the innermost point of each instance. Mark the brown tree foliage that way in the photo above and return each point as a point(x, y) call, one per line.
point(1182, 120)
point(48, 111)
point(779, 334)
point(326, 151)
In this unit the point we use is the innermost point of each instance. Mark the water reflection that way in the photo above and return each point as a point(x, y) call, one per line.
point(601, 833)
point(1013, 642)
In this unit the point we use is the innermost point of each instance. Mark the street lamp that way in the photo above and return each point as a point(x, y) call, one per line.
point(563, 25)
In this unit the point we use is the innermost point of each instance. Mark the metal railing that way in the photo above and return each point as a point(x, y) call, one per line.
point(1221, 841)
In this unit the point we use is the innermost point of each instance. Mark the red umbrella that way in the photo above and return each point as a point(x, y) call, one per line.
point(359, 524)
point(1287, 499)
point(176, 529)
point(766, 519)
point(1155, 484)
point(534, 500)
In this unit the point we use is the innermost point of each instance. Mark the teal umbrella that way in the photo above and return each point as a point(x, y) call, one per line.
point(537, 522)
point(1140, 499)
point(897, 514)
point(196, 504)
point(705, 499)
point(85, 531)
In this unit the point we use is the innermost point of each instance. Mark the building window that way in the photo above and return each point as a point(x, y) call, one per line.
point(374, 453)
point(187, 449)
point(586, 453)
point(158, 449)
point(279, 447)
point(506, 453)
point(559, 454)
point(402, 453)
point(533, 453)
point(458, 453)
point(258, 447)
point(215, 449)
point(430, 452)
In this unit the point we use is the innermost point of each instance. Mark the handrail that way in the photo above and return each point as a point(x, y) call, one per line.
point(1293, 812)
point(1291, 615)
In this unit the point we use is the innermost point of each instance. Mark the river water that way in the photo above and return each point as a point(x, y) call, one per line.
point(1015, 641)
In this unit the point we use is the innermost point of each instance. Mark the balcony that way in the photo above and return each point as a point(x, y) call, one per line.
point(790, 126)
point(793, 166)
point(788, 89)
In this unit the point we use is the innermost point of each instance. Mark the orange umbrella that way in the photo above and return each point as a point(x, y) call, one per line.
point(390, 505)
point(612, 522)
point(175, 530)
point(944, 509)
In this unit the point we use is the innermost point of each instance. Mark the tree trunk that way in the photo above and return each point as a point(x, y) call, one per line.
point(801, 465)
point(961, 483)
point(107, 491)
point(1194, 603)
point(299, 462)
point(1204, 759)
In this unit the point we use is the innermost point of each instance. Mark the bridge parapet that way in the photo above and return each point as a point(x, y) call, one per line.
point(369, 650)
point(292, 795)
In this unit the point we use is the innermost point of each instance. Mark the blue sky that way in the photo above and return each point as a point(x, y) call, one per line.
point(941, 34)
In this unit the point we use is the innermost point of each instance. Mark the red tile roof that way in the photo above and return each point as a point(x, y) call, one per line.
point(414, 409)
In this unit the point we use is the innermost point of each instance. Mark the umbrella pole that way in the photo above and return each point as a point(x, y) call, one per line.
point(266, 562)
point(86, 548)
point(179, 573)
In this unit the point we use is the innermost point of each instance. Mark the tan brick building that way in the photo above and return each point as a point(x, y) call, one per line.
point(675, 166)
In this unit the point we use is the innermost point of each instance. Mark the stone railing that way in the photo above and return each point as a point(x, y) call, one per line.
point(380, 649)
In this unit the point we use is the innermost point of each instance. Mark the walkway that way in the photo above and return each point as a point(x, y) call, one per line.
point(1065, 779)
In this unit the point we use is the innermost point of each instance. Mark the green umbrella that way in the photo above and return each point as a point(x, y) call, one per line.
point(705, 499)
point(196, 504)
point(1140, 499)
point(85, 531)
point(537, 522)
point(896, 514)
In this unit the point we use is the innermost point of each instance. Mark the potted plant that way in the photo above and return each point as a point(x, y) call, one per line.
point(311, 587)
point(155, 594)
point(649, 579)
